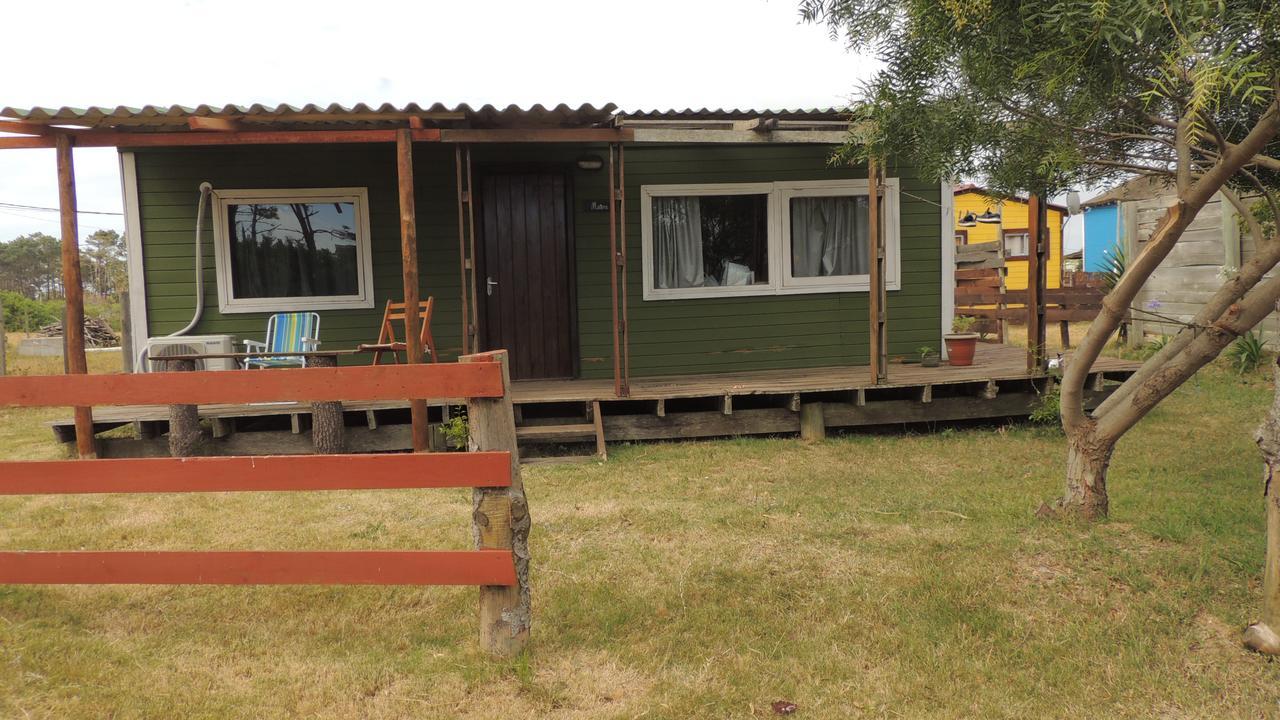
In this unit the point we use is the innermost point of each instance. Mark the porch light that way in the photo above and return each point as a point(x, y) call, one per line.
point(590, 162)
point(988, 217)
point(968, 220)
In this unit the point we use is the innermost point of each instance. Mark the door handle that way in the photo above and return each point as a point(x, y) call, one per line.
point(489, 284)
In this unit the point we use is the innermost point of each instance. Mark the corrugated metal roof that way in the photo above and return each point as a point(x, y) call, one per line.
point(830, 113)
point(317, 116)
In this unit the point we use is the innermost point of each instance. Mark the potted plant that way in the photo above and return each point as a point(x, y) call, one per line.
point(929, 357)
point(962, 341)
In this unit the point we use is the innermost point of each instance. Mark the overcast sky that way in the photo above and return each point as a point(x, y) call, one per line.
point(655, 54)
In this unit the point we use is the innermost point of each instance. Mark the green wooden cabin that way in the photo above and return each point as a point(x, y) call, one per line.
point(781, 280)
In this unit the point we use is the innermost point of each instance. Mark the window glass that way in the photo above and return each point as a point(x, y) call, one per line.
point(710, 241)
point(293, 250)
point(830, 236)
point(1016, 243)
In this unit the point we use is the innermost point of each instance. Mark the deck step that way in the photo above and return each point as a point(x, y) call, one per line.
point(559, 459)
point(556, 433)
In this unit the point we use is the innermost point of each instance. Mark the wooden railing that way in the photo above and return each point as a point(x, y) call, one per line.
point(498, 565)
point(978, 294)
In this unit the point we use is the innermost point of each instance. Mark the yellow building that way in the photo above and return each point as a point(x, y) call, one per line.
point(1013, 221)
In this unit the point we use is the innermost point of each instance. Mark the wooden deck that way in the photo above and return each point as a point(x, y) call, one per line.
point(672, 406)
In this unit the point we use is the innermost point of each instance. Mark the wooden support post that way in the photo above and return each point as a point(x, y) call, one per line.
point(328, 436)
point(794, 403)
point(726, 404)
point(73, 289)
point(409, 267)
point(1064, 329)
point(185, 436)
point(4, 344)
point(813, 426)
point(1037, 232)
point(860, 397)
point(661, 410)
point(926, 394)
point(500, 519)
point(618, 272)
point(223, 427)
point(990, 390)
point(879, 336)
point(126, 335)
point(466, 244)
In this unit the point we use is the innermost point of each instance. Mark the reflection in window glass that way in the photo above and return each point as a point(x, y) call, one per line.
point(710, 240)
point(293, 250)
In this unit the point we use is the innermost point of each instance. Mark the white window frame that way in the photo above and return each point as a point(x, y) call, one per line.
point(227, 303)
point(779, 238)
point(839, 188)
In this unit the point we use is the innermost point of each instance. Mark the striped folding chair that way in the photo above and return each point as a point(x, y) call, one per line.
point(286, 333)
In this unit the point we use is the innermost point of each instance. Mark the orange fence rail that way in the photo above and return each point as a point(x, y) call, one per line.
point(499, 565)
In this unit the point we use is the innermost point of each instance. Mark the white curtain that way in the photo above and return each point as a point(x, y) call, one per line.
point(677, 242)
point(829, 236)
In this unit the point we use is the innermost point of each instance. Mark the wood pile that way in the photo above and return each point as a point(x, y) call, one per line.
point(97, 333)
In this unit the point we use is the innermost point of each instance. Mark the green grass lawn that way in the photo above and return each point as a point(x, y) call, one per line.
point(865, 576)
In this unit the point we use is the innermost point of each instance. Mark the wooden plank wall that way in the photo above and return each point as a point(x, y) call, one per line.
point(675, 336)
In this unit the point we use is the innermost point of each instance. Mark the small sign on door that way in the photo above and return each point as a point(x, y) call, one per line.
point(597, 206)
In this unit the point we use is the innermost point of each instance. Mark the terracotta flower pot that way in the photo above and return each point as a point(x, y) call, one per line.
point(960, 347)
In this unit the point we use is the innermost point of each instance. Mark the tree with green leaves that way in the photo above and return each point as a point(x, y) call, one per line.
point(1047, 96)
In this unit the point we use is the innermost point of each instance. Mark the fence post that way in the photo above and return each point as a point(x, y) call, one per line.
point(328, 436)
point(126, 334)
point(500, 518)
point(185, 436)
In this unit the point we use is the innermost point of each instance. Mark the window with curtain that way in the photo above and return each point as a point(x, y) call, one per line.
point(766, 238)
point(710, 241)
point(291, 250)
point(830, 236)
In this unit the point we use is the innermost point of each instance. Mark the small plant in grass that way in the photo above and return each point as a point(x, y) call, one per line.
point(1247, 352)
point(456, 431)
point(1154, 346)
point(1049, 409)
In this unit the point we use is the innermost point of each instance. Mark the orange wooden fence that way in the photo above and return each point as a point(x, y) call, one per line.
point(499, 565)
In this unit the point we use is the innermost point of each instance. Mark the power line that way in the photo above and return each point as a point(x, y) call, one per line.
point(16, 206)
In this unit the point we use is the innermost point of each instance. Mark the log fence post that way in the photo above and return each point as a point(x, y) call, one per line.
point(185, 436)
point(328, 435)
point(500, 519)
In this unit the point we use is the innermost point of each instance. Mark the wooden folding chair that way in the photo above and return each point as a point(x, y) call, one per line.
point(387, 342)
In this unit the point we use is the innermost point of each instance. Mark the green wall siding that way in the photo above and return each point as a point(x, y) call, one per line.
point(667, 336)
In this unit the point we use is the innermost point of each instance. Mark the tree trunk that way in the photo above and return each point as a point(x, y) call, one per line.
point(1261, 636)
point(328, 436)
point(185, 436)
point(1087, 460)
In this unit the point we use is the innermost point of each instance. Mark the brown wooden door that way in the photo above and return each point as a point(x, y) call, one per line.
point(525, 279)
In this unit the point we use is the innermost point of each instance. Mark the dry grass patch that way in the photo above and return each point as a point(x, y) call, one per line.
point(866, 576)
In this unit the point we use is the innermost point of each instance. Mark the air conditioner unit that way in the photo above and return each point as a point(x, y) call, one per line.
point(192, 345)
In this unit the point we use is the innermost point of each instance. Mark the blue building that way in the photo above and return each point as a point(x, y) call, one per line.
point(1102, 231)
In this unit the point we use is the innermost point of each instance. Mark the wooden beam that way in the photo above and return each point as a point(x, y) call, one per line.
point(350, 567)
point(217, 124)
point(22, 127)
point(381, 382)
point(537, 135)
point(619, 388)
point(1037, 231)
point(111, 138)
point(409, 270)
point(877, 300)
point(73, 291)
point(256, 474)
